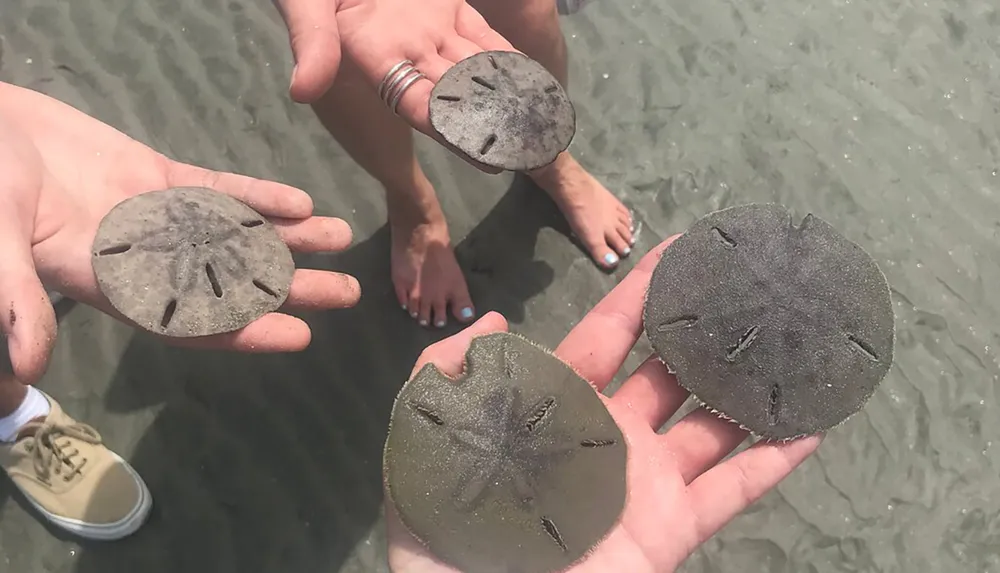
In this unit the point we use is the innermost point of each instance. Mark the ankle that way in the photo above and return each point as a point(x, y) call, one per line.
point(12, 395)
point(414, 205)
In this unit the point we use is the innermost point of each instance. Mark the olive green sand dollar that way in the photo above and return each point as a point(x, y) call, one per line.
point(786, 329)
point(515, 466)
point(504, 110)
point(190, 261)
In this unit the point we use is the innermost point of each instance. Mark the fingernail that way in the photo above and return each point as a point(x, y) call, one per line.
point(466, 313)
point(423, 322)
point(439, 324)
point(611, 258)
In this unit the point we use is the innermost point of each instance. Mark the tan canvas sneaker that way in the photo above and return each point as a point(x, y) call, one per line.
point(77, 483)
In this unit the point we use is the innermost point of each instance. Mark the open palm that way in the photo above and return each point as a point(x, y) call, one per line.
point(64, 170)
point(679, 494)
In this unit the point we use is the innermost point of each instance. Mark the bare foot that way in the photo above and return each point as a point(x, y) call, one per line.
point(425, 273)
point(601, 222)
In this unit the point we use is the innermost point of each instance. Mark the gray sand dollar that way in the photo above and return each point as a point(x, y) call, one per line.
point(515, 466)
point(190, 261)
point(503, 110)
point(784, 328)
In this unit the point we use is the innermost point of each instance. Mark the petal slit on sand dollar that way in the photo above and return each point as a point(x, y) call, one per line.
point(190, 261)
point(784, 328)
point(516, 465)
point(504, 110)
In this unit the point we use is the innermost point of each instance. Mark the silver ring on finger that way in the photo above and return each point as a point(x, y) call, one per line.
point(395, 83)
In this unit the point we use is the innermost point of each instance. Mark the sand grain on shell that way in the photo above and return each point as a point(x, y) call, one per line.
point(784, 328)
point(190, 261)
point(496, 471)
point(504, 110)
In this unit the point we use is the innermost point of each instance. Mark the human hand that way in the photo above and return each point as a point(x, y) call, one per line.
point(377, 35)
point(64, 170)
point(679, 494)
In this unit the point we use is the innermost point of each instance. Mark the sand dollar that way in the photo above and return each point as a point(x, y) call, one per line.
point(784, 328)
point(504, 110)
point(515, 466)
point(190, 261)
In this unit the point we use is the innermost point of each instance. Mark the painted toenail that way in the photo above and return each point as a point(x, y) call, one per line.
point(466, 313)
point(610, 258)
point(626, 250)
point(413, 315)
point(423, 322)
point(404, 306)
point(439, 324)
point(632, 241)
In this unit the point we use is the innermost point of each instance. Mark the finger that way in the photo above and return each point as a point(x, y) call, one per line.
point(273, 332)
point(472, 26)
point(322, 290)
point(616, 322)
point(743, 479)
point(315, 41)
point(266, 197)
point(27, 318)
point(315, 234)
point(458, 48)
point(414, 104)
point(700, 440)
point(449, 354)
point(652, 393)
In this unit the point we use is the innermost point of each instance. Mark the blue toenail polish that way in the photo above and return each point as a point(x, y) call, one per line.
point(466, 313)
point(611, 258)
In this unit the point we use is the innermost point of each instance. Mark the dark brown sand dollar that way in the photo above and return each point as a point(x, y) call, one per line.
point(190, 261)
point(503, 110)
point(515, 466)
point(784, 328)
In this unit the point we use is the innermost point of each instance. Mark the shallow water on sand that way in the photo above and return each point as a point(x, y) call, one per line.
point(883, 120)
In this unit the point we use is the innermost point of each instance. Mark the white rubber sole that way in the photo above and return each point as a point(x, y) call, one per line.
point(105, 531)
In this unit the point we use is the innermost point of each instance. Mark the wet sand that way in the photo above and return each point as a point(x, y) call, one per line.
point(884, 121)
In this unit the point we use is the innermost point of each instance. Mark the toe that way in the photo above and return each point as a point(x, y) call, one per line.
point(619, 244)
point(440, 313)
point(424, 315)
point(600, 251)
point(626, 233)
point(461, 305)
point(414, 302)
point(402, 296)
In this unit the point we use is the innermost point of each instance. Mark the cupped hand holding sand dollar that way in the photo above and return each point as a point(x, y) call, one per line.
point(495, 470)
point(470, 474)
point(381, 37)
point(65, 172)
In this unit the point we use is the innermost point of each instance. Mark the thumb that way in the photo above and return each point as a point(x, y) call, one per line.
point(448, 355)
point(315, 41)
point(27, 319)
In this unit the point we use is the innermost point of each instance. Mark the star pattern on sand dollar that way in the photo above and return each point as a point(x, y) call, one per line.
point(198, 239)
point(513, 450)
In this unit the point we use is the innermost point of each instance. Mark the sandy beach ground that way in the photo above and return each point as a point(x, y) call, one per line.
point(879, 117)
